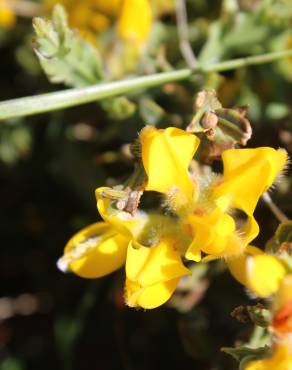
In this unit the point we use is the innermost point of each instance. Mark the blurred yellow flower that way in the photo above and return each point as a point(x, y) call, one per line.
point(259, 272)
point(264, 274)
point(7, 16)
point(134, 21)
point(238, 264)
point(133, 17)
point(280, 360)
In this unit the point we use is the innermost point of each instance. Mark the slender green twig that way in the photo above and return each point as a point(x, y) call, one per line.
point(69, 98)
point(274, 208)
point(183, 33)
point(257, 338)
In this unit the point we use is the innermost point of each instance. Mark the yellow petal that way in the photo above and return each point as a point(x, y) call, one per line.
point(237, 264)
point(135, 20)
point(214, 234)
point(149, 297)
point(280, 360)
point(250, 230)
point(125, 223)
point(152, 274)
point(166, 156)
point(248, 173)
point(95, 251)
point(150, 265)
point(264, 274)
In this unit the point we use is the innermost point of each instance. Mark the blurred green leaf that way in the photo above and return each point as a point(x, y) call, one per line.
point(15, 142)
point(65, 57)
point(277, 110)
point(119, 108)
point(150, 111)
point(213, 49)
point(245, 32)
point(11, 363)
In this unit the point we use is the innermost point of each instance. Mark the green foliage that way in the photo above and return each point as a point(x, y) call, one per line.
point(65, 57)
point(11, 363)
point(15, 143)
point(242, 353)
point(72, 60)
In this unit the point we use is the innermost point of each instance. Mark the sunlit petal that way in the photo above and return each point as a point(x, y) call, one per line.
point(238, 264)
point(135, 20)
point(95, 251)
point(151, 296)
point(264, 274)
point(152, 274)
point(248, 173)
point(166, 156)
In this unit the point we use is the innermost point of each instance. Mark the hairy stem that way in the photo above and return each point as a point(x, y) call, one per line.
point(73, 97)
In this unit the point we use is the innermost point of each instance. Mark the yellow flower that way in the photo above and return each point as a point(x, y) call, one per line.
point(133, 17)
point(259, 272)
point(7, 16)
point(153, 263)
point(203, 205)
point(152, 244)
point(95, 251)
point(152, 274)
point(280, 360)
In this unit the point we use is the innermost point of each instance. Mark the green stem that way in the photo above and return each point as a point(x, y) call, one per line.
point(256, 339)
point(71, 97)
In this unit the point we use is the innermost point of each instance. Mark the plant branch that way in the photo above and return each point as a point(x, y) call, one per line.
point(72, 97)
point(274, 208)
point(183, 34)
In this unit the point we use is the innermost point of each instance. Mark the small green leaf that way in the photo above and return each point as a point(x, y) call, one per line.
point(64, 56)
